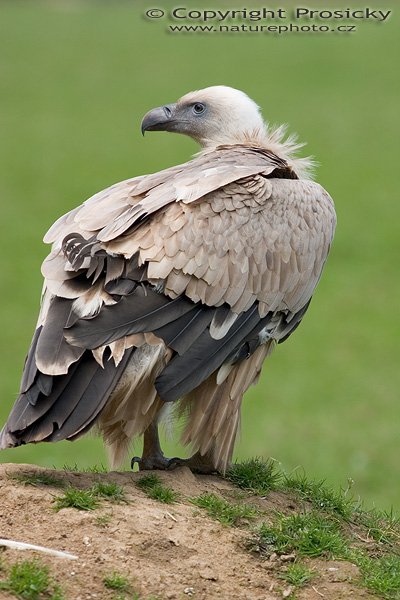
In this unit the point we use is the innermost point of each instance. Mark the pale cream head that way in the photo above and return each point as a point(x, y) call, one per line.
point(213, 116)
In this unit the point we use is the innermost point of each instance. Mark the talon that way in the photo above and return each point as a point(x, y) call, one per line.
point(175, 462)
point(134, 460)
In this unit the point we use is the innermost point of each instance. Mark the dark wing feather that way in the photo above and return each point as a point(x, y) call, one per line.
point(30, 369)
point(101, 382)
point(288, 327)
point(142, 310)
point(182, 333)
point(71, 408)
point(53, 353)
point(25, 412)
point(205, 355)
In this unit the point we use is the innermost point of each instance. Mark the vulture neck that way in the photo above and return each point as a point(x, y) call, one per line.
point(256, 137)
point(272, 139)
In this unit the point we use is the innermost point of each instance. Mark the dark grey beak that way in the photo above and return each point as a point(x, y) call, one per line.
point(159, 119)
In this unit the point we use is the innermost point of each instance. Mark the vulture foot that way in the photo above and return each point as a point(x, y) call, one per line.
point(153, 457)
point(196, 463)
point(148, 463)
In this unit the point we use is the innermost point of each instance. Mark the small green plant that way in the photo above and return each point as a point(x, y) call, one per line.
point(297, 574)
point(308, 534)
point(30, 580)
point(38, 479)
point(260, 477)
point(255, 475)
point(152, 486)
point(72, 468)
point(148, 481)
point(319, 495)
point(109, 491)
point(225, 512)
point(94, 469)
point(383, 527)
point(103, 520)
point(380, 575)
point(76, 498)
point(116, 581)
point(88, 499)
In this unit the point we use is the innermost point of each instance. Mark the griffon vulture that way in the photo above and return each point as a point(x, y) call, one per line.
point(174, 287)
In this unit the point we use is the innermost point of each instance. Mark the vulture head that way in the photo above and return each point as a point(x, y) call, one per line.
point(213, 116)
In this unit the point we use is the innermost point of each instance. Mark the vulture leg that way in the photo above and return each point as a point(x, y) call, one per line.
point(152, 457)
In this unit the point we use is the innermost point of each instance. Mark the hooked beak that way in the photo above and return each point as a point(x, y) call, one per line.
point(159, 119)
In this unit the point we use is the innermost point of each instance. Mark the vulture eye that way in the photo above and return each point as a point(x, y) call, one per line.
point(198, 108)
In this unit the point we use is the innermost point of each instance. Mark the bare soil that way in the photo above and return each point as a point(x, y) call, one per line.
point(166, 551)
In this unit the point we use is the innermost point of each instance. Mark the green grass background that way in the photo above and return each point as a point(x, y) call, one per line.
point(76, 78)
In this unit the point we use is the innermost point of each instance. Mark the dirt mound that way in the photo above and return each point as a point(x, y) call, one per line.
point(172, 551)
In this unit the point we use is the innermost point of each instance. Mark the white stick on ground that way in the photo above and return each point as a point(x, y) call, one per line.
point(23, 546)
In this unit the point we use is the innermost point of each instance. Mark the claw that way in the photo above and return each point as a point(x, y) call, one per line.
point(134, 460)
point(175, 462)
point(196, 463)
point(149, 463)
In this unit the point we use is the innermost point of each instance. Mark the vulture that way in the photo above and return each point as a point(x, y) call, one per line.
point(164, 294)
